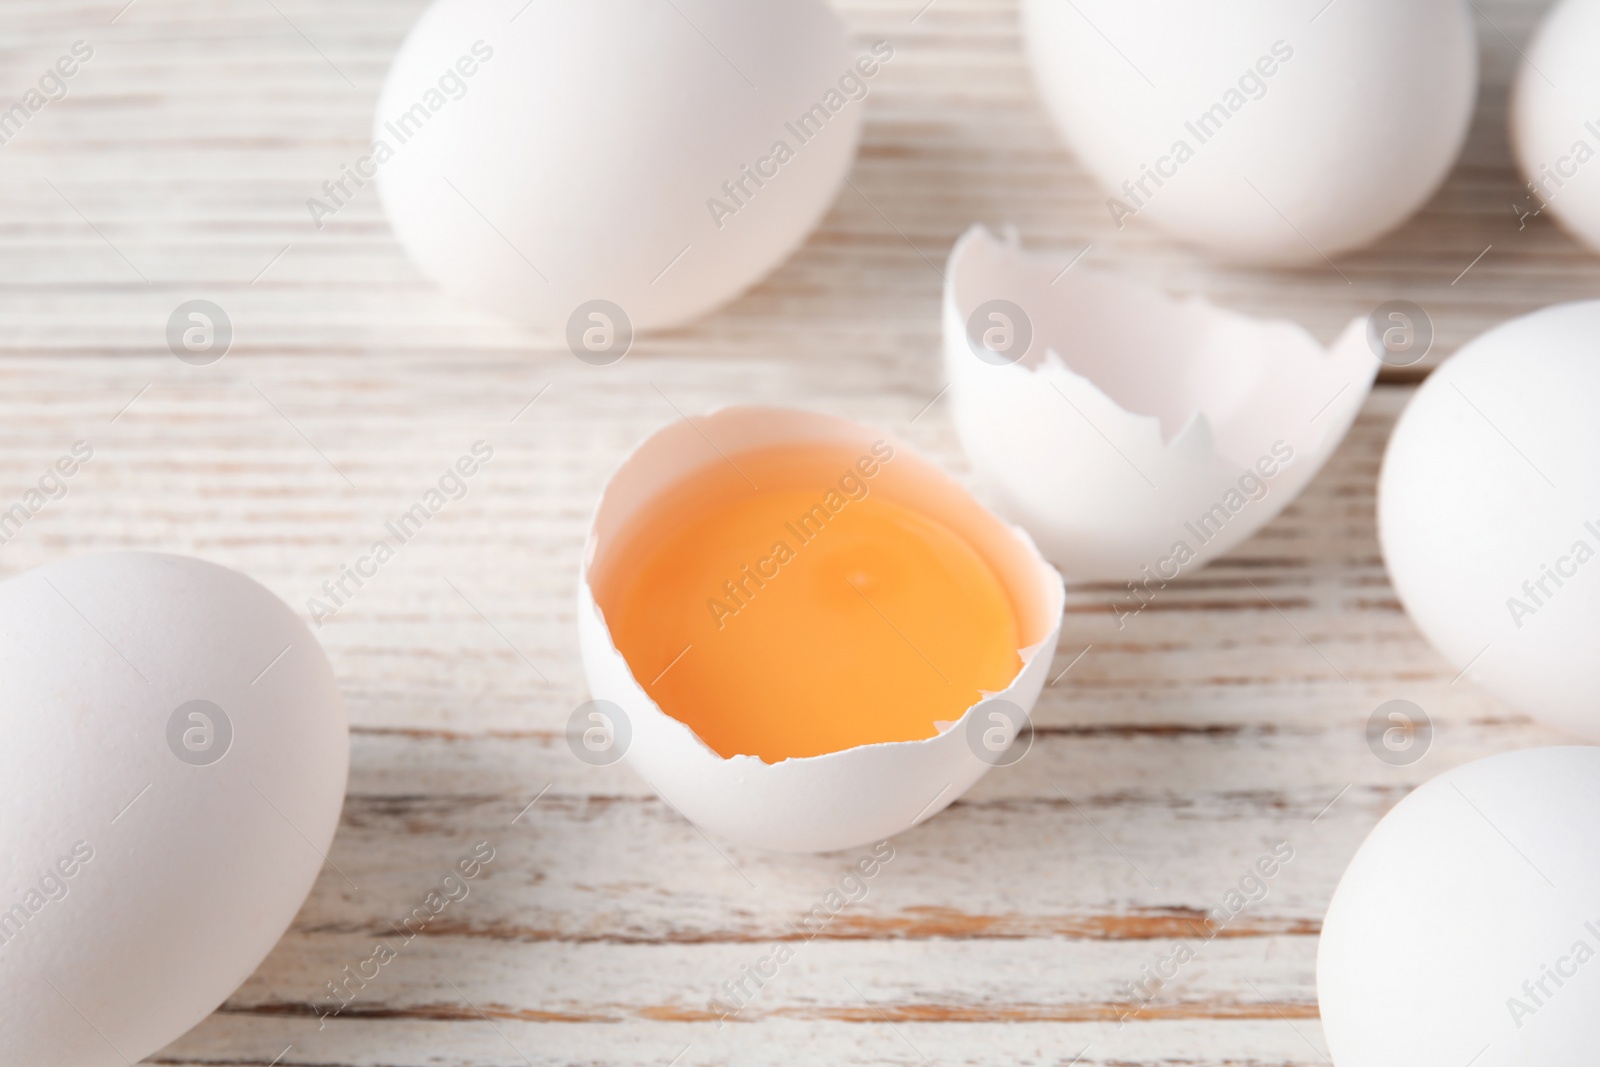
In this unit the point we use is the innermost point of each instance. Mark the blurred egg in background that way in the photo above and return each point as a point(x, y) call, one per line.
point(1263, 132)
point(660, 158)
point(1555, 119)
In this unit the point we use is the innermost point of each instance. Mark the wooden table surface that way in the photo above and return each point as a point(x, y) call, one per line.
point(1228, 717)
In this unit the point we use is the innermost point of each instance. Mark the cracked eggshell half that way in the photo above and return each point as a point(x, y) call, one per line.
point(1130, 433)
point(662, 157)
point(175, 763)
point(840, 799)
point(1272, 133)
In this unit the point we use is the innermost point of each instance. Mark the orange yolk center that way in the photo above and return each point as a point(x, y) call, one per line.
point(809, 615)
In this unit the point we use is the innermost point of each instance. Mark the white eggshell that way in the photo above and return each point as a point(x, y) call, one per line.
point(581, 159)
point(817, 803)
point(1491, 482)
point(1470, 887)
point(196, 867)
point(1131, 418)
point(1336, 121)
point(1555, 119)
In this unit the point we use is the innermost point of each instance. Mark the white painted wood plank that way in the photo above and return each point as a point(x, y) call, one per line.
point(776, 1043)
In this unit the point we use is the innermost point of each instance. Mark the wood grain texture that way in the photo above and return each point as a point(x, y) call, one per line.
point(1227, 716)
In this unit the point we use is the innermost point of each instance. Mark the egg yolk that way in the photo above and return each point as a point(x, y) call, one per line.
point(809, 615)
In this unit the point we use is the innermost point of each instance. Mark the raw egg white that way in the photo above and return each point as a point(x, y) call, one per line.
point(1136, 437)
point(662, 157)
point(175, 762)
point(843, 798)
point(1272, 132)
point(1555, 120)
point(1467, 928)
point(1489, 513)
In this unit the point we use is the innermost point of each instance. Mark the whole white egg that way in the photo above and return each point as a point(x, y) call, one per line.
point(1489, 512)
point(174, 766)
point(1555, 119)
point(1271, 131)
point(659, 157)
point(1467, 928)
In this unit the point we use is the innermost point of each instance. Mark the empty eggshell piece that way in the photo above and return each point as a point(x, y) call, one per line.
point(1489, 513)
point(662, 157)
point(840, 799)
point(175, 763)
point(1135, 436)
point(1264, 132)
point(1466, 929)
point(1555, 119)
